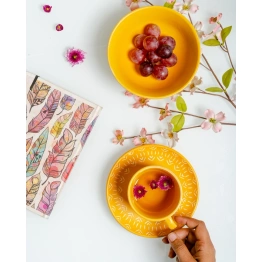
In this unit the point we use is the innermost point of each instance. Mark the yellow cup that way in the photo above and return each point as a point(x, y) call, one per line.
point(157, 204)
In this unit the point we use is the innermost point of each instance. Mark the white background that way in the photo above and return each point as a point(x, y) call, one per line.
point(81, 227)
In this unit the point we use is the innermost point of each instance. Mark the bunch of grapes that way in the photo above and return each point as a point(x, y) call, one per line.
point(153, 53)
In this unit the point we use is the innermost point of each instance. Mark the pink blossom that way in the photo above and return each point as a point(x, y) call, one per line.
point(198, 26)
point(133, 4)
point(140, 102)
point(59, 27)
point(118, 137)
point(169, 135)
point(139, 191)
point(75, 56)
point(164, 112)
point(153, 184)
point(47, 8)
point(143, 138)
point(186, 7)
point(127, 93)
point(174, 97)
point(193, 86)
point(213, 121)
point(165, 182)
point(213, 20)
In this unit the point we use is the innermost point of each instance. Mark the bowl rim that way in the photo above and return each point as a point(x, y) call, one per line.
point(141, 9)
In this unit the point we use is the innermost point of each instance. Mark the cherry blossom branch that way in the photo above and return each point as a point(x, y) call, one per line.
point(130, 137)
point(206, 93)
point(176, 111)
point(204, 66)
point(228, 52)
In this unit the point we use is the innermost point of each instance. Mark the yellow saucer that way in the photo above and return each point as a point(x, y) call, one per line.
point(132, 161)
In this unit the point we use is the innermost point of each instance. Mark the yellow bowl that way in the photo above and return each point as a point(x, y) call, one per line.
point(187, 49)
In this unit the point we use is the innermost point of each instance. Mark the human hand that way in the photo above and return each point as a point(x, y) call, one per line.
point(190, 244)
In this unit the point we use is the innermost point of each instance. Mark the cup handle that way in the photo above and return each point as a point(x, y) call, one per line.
point(171, 223)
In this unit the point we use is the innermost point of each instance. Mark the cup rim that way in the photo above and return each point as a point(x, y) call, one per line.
point(129, 192)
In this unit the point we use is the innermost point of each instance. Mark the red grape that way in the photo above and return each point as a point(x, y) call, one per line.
point(164, 51)
point(167, 40)
point(160, 72)
point(150, 43)
point(152, 29)
point(169, 62)
point(153, 57)
point(138, 41)
point(137, 55)
point(146, 68)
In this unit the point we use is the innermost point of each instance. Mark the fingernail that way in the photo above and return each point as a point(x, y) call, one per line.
point(172, 237)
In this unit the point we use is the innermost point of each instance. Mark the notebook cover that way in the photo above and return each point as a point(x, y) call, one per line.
point(58, 124)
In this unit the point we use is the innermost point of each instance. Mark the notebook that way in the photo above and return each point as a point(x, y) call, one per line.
point(58, 124)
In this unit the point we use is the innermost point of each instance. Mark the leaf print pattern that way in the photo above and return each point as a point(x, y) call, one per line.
point(80, 117)
point(66, 103)
point(48, 199)
point(37, 95)
point(32, 187)
point(36, 152)
point(59, 125)
point(46, 113)
point(56, 159)
point(68, 169)
point(28, 143)
point(87, 132)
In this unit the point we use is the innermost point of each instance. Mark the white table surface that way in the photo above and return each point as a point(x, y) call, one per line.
point(81, 227)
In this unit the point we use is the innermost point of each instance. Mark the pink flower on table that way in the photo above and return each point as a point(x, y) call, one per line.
point(75, 56)
point(213, 121)
point(127, 93)
point(198, 26)
point(139, 191)
point(118, 139)
point(164, 112)
point(133, 4)
point(169, 135)
point(174, 97)
point(140, 102)
point(193, 86)
point(47, 8)
point(153, 184)
point(143, 138)
point(165, 182)
point(213, 20)
point(186, 7)
point(59, 27)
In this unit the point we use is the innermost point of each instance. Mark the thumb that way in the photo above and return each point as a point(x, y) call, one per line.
point(180, 248)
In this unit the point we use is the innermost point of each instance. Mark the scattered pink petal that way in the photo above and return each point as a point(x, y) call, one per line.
point(59, 27)
point(165, 182)
point(139, 191)
point(47, 8)
point(140, 102)
point(153, 184)
point(75, 56)
point(213, 121)
point(164, 112)
point(118, 139)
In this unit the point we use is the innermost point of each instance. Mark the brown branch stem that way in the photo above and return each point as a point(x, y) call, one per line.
point(148, 2)
point(206, 93)
point(204, 66)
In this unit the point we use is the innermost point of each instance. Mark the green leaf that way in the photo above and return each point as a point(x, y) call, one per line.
point(181, 104)
point(170, 5)
point(225, 32)
point(178, 121)
point(214, 89)
point(227, 76)
point(211, 42)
